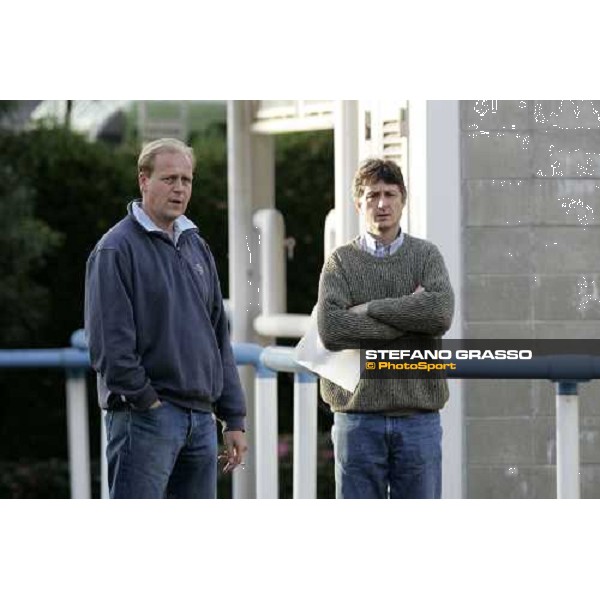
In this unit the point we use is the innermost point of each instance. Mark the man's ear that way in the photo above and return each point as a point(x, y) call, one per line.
point(357, 205)
point(142, 180)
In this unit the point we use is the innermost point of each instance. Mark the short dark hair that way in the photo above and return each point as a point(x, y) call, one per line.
point(374, 170)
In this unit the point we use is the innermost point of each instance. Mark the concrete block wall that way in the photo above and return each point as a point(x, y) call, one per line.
point(531, 231)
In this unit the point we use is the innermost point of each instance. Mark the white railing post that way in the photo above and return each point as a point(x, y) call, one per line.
point(266, 438)
point(104, 493)
point(305, 435)
point(78, 436)
point(567, 440)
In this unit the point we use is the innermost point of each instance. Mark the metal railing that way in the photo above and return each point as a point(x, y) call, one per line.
point(565, 371)
point(76, 362)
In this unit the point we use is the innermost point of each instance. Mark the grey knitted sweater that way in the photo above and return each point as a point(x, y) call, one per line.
point(352, 276)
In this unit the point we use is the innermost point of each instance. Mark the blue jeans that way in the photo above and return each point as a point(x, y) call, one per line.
point(166, 452)
point(380, 457)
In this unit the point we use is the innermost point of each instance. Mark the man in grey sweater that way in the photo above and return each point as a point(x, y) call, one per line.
point(385, 285)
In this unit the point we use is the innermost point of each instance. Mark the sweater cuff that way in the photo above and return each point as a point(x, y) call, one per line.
point(144, 400)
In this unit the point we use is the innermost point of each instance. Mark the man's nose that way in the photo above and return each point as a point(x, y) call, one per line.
point(381, 202)
point(178, 185)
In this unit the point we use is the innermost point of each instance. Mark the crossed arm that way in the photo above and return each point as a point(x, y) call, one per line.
point(428, 310)
point(340, 327)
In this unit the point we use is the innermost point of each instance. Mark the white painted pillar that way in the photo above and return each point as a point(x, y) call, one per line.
point(346, 144)
point(239, 179)
point(414, 217)
point(251, 185)
point(271, 255)
point(443, 226)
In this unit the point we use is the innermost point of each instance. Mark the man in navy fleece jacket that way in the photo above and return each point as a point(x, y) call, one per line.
point(159, 342)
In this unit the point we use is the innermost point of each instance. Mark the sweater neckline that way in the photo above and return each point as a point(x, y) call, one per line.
point(355, 244)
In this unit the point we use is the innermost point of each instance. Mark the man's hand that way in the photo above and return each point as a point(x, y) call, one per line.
point(235, 448)
point(419, 289)
point(359, 309)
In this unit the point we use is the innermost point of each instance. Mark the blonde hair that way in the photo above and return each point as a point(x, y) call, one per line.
point(161, 146)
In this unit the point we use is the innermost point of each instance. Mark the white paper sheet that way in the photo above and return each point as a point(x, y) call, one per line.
point(342, 368)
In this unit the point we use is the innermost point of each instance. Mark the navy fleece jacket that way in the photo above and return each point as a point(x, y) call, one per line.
point(156, 326)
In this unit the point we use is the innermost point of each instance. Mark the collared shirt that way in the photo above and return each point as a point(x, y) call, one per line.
point(180, 224)
point(373, 246)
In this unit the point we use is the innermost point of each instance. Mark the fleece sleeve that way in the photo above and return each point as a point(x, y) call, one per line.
point(110, 328)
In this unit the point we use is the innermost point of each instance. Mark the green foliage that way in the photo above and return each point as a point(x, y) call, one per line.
point(7, 107)
point(79, 189)
point(34, 479)
point(25, 245)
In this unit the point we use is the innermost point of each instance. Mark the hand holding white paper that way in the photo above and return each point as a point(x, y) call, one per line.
point(341, 368)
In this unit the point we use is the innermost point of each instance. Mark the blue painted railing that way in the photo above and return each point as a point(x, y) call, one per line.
point(566, 371)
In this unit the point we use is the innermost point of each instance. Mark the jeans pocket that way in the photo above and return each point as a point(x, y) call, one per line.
point(117, 429)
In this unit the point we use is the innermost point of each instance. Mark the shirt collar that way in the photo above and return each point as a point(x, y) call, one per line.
point(377, 248)
point(181, 223)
